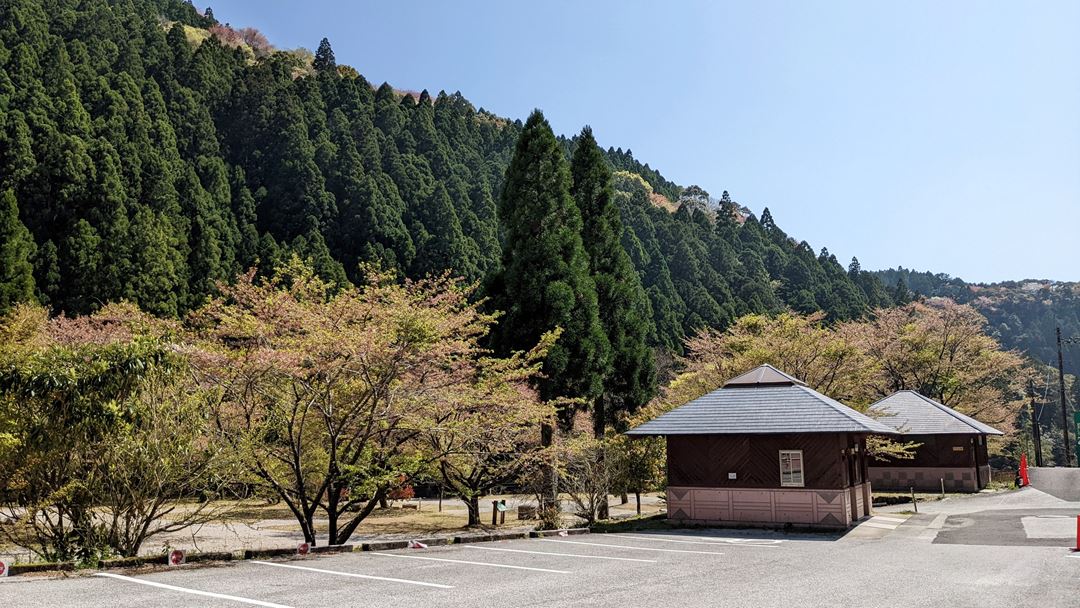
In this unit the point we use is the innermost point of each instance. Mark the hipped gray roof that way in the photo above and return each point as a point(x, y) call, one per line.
point(762, 401)
point(913, 414)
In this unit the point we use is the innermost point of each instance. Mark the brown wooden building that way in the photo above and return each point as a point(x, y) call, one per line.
point(766, 449)
point(953, 451)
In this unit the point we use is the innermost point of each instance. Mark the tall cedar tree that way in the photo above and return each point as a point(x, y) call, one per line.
point(544, 282)
point(324, 57)
point(625, 313)
point(16, 249)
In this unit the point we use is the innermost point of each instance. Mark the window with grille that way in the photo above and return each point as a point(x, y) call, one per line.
point(791, 468)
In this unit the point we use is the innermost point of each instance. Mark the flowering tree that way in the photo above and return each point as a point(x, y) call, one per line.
point(326, 396)
point(100, 443)
point(941, 349)
point(488, 435)
point(801, 345)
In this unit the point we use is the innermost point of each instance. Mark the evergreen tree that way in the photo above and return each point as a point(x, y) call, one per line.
point(441, 244)
point(624, 308)
point(544, 282)
point(901, 294)
point(16, 250)
point(324, 58)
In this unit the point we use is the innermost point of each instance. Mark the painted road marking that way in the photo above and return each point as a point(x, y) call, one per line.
point(354, 575)
point(749, 542)
point(220, 596)
point(871, 524)
point(939, 522)
point(764, 542)
point(892, 519)
point(461, 561)
point(574, 542)
point(620, 559)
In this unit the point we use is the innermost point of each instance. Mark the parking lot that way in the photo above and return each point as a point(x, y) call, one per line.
point(894, 562)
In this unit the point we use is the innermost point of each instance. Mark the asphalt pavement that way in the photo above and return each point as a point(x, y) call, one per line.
point(888, 561)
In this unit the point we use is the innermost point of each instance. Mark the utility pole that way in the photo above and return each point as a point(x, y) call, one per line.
point(1036, 432)
point(1064, 405)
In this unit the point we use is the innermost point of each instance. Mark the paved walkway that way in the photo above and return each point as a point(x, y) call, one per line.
point(1025, 498)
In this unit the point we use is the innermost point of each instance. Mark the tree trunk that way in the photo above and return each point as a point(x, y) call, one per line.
point(550, 495)
point(472, 503)
point(382, 503)
point(637, 497)
point(623, 498)
point(346, 530)
point(332, 524)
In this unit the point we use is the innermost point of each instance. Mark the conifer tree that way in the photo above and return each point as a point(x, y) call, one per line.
point(324, 57)
point(544, 281)
point(16, 250)
point(624, 308)
point(901, 294)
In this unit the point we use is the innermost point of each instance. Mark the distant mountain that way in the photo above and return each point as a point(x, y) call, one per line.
point(1022, 314)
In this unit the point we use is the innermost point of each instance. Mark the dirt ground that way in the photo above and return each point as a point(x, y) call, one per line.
point(255, 524)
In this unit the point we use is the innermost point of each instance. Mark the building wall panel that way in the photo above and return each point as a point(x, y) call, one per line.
point(806, 507)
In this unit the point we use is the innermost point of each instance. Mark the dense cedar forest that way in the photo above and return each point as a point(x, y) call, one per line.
point(147, 152)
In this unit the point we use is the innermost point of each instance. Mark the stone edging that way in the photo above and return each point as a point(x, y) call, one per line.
point(216, 556)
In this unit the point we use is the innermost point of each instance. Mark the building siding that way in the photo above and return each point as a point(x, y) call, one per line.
point(936, 461)
point(706, 460)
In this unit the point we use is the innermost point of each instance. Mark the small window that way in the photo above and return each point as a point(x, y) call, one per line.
point(791, 468)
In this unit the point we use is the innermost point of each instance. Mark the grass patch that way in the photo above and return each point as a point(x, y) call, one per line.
point(657, 521)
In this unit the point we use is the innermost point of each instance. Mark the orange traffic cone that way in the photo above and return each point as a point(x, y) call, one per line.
point(1023, 470)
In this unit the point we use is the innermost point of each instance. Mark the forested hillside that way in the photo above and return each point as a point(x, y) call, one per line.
point(147, 152)
point(1022, 314)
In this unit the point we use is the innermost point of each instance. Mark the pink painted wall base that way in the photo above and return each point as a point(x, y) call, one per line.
point(798, 506)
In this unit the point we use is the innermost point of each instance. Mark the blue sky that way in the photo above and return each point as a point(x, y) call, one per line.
point(933, 135)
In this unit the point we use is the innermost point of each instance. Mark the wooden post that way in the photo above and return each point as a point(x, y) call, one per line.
point(914, 503)
point(943, 487)
point(440, 500)
point(494, 512)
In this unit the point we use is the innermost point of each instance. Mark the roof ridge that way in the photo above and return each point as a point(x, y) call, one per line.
point(829, 401)
point(948, 410)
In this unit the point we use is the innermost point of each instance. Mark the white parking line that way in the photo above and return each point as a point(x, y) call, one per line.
point(872, 524)
point(574, 542)
point(220, 596)
point(731, 542)
point(726, 540)
point(354, 575)
point(892, 519)
point(461, 561)
point(619, 559)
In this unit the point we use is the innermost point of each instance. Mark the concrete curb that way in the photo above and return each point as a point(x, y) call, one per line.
point(567, 531)
point(346, 548)
point(265, 553)
point(131, 562)
point(16, 569)
point(210, 556)
point(484, 538)
point(384, 545)
point(225, 556)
